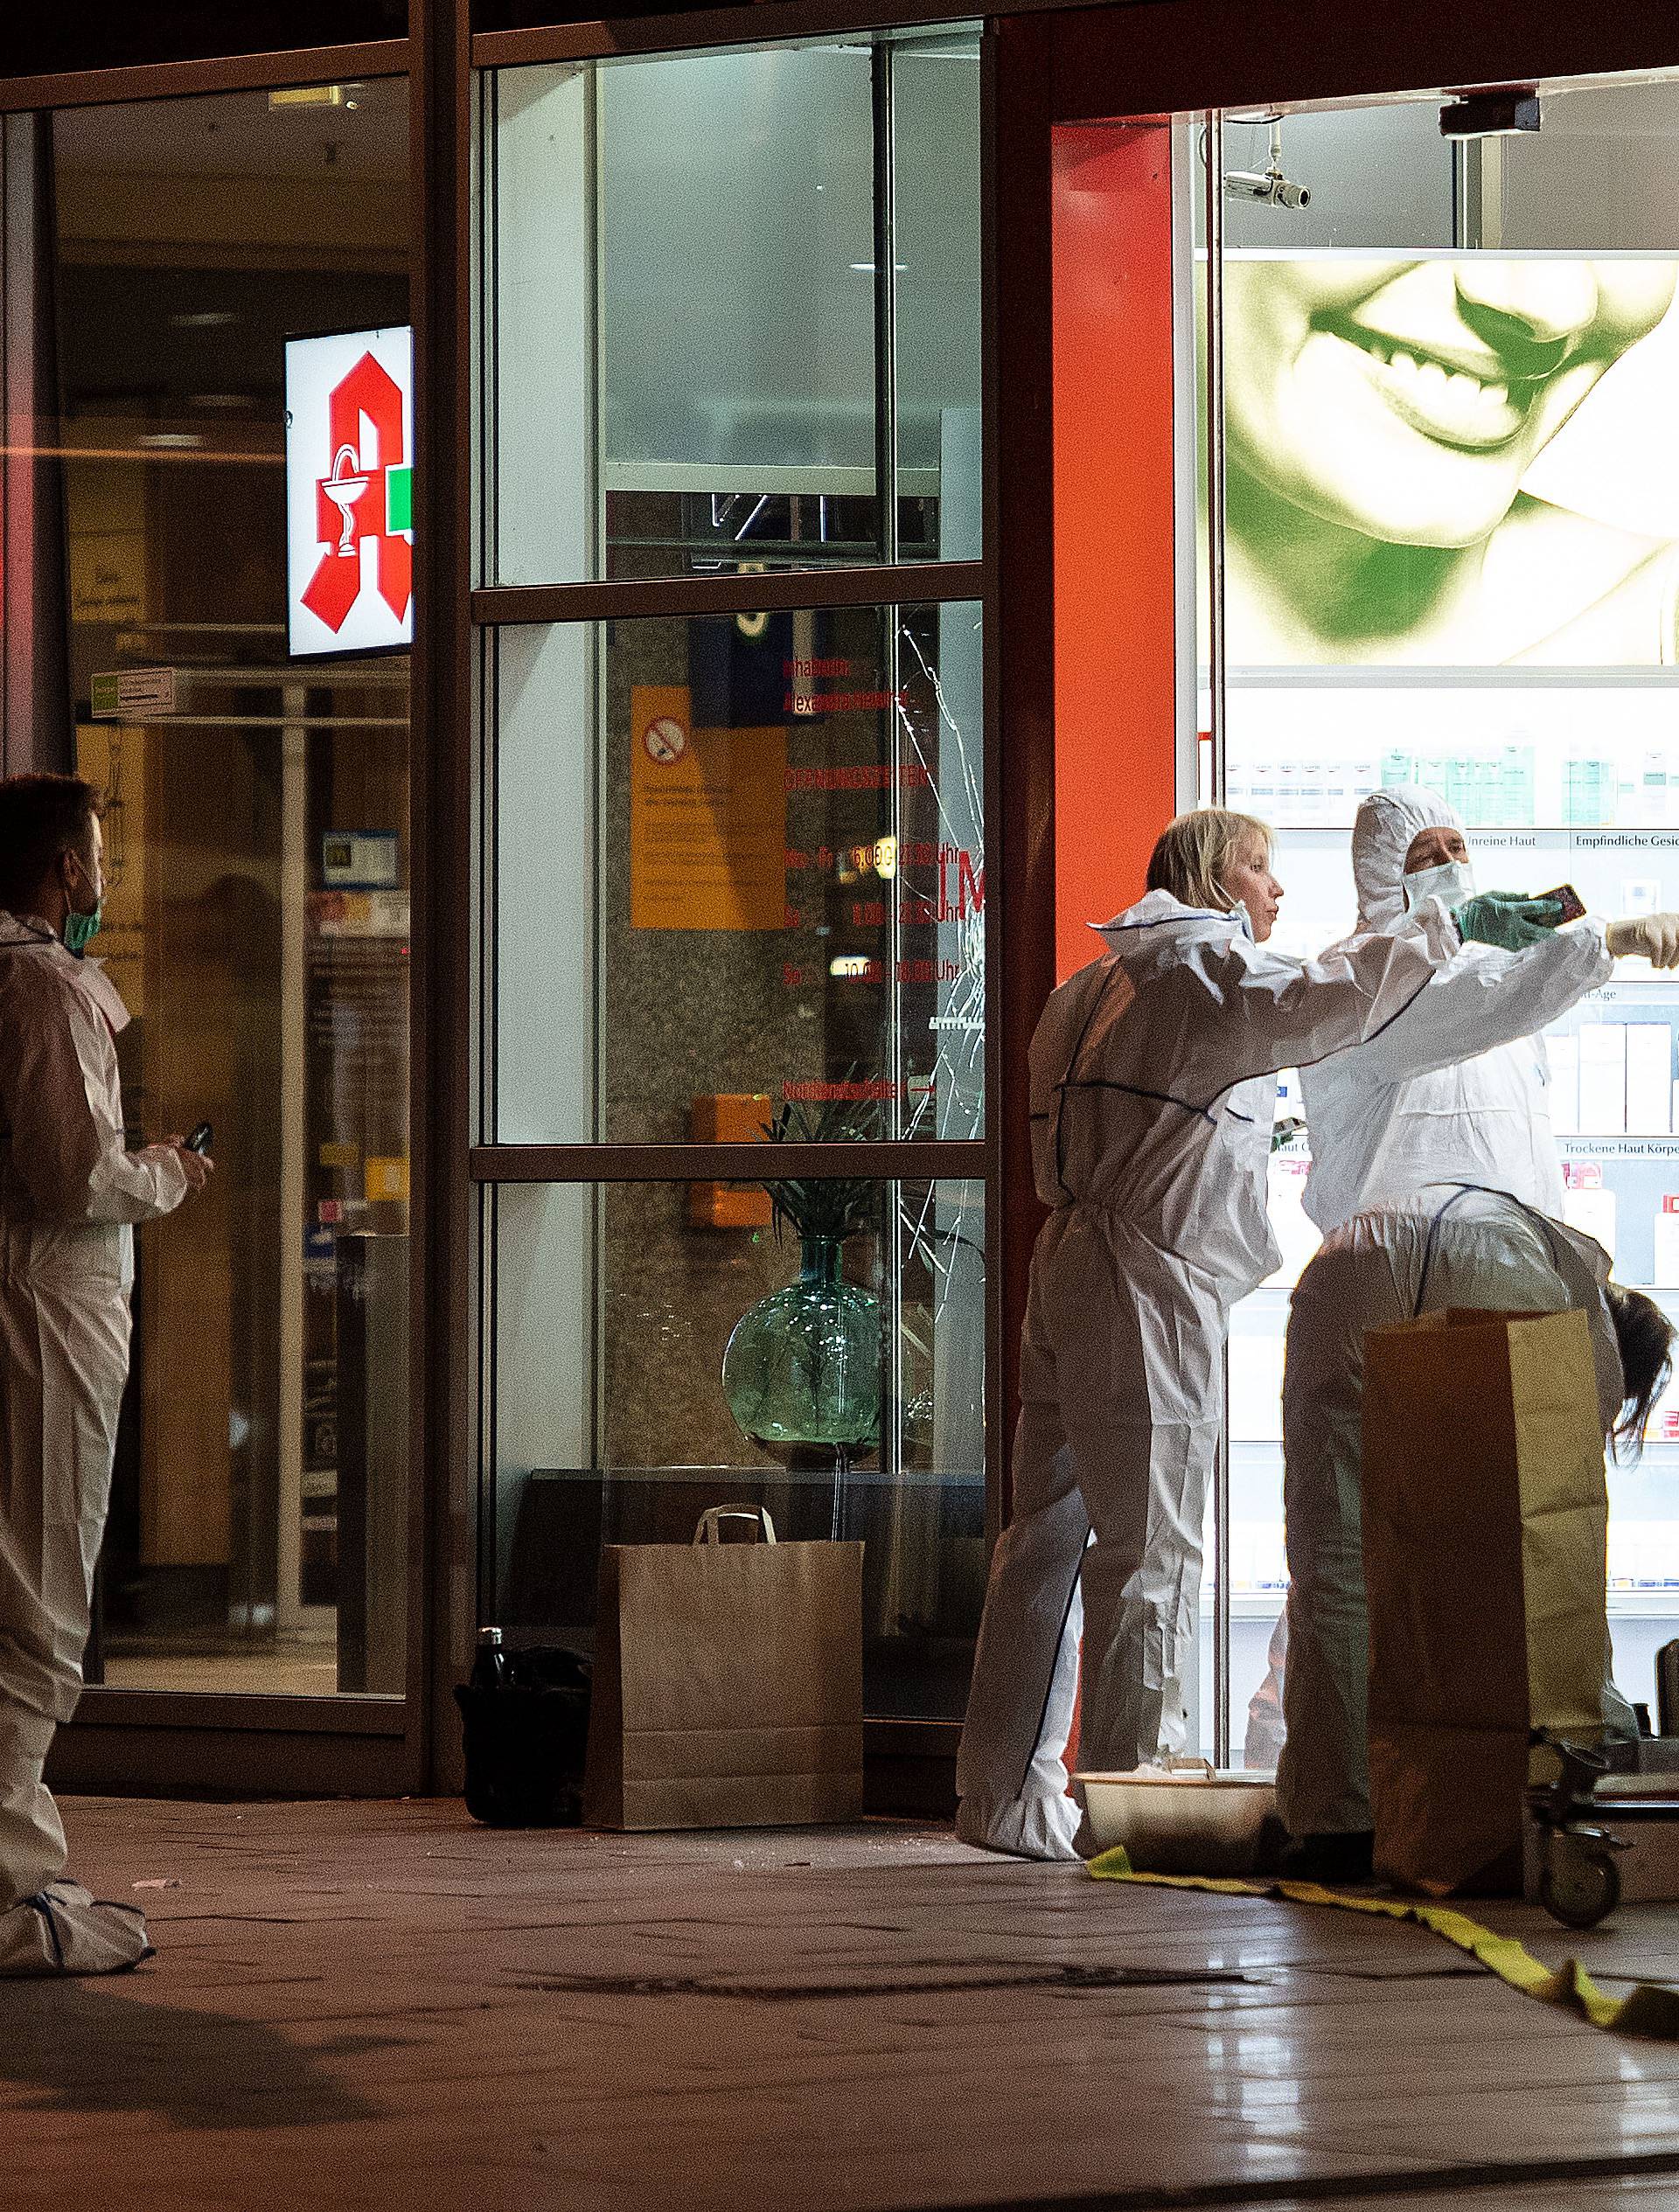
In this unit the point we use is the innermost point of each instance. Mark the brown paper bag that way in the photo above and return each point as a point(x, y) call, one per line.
point(728, 1683)
point(1485, 1529)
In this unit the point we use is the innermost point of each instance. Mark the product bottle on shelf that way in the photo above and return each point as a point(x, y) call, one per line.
point(1587, 1206)
point(1653, 797)
point(1649, 1078)
point(1515, 786)
point(1309, 799)
point(1665, 1272)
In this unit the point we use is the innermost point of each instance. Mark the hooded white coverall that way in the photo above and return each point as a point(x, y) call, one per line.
point(1443, 1246)
point(1154, 1079)
point(1458, 1095)
point(1462, 1094)
point(69, 1189)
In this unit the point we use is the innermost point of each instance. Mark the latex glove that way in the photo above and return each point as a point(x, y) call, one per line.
point(1507, 919)
point(1654, 936)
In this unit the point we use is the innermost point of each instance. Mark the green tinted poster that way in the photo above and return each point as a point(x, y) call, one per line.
point(1451, 459)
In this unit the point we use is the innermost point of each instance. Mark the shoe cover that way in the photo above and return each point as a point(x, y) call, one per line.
point(1034, 1828)
point(64, 1929)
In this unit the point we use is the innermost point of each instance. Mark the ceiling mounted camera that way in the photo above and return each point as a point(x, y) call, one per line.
point(1499, 113)
point(1270, 188)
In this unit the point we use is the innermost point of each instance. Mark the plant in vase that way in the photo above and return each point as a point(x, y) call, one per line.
point(802, 1369)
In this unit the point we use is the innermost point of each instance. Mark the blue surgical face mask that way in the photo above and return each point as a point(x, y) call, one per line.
point(1453, 882)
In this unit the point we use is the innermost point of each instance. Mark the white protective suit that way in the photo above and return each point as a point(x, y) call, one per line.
point(69, 1188)
point(1445, 1245)
point(1460, 1094)
point(1154, 1078)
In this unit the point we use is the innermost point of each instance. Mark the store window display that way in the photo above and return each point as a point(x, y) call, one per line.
point(1381, 418)
point(1450, 561)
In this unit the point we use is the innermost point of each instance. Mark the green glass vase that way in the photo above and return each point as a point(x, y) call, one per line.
point(802, 1369)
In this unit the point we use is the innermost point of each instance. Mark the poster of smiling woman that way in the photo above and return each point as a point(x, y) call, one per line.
point(1452, 459)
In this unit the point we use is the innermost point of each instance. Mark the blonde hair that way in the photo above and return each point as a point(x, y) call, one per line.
point(1192, 852)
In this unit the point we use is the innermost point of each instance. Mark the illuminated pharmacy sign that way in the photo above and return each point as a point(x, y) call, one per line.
point(349, 491)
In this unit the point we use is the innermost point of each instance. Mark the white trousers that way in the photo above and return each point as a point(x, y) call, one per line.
point(1121, 1408)
point(1263, 1745)
point(64, 1357)
point(1322, 1776)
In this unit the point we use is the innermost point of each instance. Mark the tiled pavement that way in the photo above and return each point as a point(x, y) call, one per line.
point(371, 2004)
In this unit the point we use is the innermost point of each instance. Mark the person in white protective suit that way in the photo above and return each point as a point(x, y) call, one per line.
point(69, 1190)
point(1152, 1084)
point(1447, 1245)
point(1463, 1093)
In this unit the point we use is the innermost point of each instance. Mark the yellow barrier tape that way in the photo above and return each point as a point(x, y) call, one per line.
point(1646, 2010)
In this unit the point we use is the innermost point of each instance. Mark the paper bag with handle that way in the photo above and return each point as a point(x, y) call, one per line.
point(728, 1682)
point(1485, 1526)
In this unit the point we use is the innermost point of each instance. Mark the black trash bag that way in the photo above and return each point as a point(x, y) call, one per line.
point(526, 1741)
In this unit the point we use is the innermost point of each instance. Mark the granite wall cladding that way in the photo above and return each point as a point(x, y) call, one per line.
point(686, 1012)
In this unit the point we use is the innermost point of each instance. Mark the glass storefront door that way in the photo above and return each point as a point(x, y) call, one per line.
point(1449, 561)
point(1420, 420)
point(732, 851)
point(257, 919)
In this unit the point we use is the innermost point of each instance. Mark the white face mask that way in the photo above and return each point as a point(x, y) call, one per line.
point(1237, 908)
point(1453, 882)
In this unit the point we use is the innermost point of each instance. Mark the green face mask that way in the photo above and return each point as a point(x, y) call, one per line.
point(79, 929)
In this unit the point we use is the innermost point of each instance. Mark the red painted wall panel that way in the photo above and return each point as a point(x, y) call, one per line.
point(1114, 487)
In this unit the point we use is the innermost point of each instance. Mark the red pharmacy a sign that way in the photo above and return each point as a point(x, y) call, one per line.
point(349, 491)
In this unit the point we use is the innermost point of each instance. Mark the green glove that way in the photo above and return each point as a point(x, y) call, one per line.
point(1507, 919)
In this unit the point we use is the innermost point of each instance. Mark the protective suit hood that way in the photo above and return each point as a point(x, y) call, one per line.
point(1159, 927)
point(1383, 829)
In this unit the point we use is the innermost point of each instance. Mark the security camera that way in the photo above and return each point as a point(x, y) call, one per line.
point(1273, 190)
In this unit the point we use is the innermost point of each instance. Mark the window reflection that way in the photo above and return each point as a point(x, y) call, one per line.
point(258, 913)
point(787, 902)
point(631, 1443)
point(685, 372)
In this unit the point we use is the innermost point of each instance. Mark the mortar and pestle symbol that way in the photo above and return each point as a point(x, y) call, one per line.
point(344, 491)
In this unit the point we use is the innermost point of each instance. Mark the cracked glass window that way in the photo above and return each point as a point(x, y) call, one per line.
point(752, 849)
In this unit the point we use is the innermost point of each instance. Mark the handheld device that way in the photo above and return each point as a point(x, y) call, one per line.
point(1573, 905)
point(199, 1140)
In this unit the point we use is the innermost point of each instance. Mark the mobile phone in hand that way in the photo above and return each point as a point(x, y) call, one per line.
point(1573, 905)
point(199, 1140)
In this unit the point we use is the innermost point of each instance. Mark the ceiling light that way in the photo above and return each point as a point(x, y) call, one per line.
point(1498, 114)
point(204, 318)
point(171, 440)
